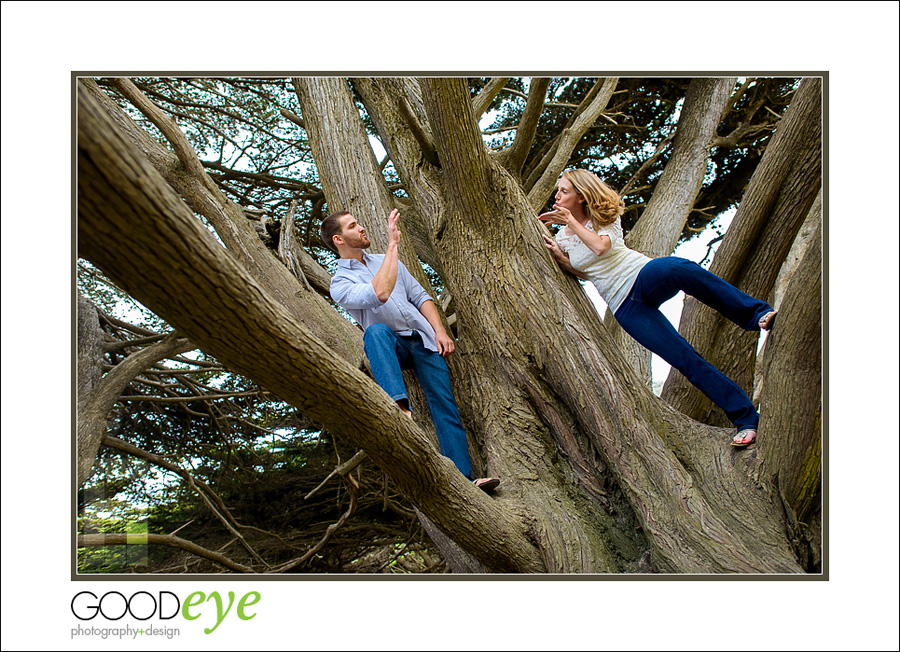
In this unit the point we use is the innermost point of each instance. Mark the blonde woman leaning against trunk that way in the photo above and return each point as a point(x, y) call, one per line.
point(592, 247)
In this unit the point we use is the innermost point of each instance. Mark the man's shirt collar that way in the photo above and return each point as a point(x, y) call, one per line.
point(348, 262)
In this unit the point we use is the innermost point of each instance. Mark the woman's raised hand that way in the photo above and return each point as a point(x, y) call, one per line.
point(558, 215)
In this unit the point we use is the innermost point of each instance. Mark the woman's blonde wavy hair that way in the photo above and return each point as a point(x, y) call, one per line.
point(601, 203)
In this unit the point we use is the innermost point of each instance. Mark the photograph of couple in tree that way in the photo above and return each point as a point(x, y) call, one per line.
point(362, 339)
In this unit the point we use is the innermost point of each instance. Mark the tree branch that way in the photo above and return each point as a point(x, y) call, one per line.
point(542, 159)
point(111, 539)
point(286, 242)
point(167, 126)
point(95, 408)
point(238, 235)
point(570, 137)
point(334, 527)
point(341, 470)
point(483, 100)
point(657, 231)
point(293, 117)
point(429, 153)
point(514, 157)
point(212, 500)
point(646, 164)
point(121, 345)
point(188, 399)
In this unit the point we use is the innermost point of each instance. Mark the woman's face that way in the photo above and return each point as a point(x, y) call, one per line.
point(566, 195)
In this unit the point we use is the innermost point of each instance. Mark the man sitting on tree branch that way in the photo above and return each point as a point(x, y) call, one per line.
point(402, 328)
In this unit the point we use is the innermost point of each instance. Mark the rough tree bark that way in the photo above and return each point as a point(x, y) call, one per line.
point(778, 198)
point(792, 405)
point(809, 232)
point(657, 231)
point(498, 278)
point(597, 473)
point(89, 373)
point(660, 226)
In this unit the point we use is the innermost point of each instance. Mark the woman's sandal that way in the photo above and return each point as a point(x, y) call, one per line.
point(744, 438)
point(768, 320)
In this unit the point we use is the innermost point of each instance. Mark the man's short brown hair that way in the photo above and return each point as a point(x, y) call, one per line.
point(331, 226)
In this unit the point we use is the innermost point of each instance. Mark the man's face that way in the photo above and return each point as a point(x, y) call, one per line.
point(353, 233)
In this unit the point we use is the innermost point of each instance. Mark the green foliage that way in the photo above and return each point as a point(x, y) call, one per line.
point(642, 113)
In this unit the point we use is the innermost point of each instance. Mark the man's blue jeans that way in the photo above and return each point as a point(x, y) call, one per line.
point(389, 354)
point(659, 281)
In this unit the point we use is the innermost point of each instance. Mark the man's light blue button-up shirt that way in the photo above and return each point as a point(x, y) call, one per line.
point(352, 289)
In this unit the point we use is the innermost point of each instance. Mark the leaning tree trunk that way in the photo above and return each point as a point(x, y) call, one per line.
point(352, 181)
point(478, 381)
point(300, 295)
point(183, 171)
point(89, 371)
point(791, 404)
point(809, 234)
point(660, 226)
point(778, 199)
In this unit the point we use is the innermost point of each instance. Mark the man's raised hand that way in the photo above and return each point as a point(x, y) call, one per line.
point(393, 227)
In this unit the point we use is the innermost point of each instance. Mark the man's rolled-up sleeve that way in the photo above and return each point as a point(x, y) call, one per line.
point(354, 295)
point(414, 291)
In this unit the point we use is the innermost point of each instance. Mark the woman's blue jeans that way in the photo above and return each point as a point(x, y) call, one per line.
point(639, 315)
point(389, 354)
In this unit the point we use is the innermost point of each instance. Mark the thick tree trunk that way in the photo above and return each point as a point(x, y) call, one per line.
point(514, 316)
point(791, 402)
point(809, 233)
point(658, 230)
point(89, 370)
point(778, 199)
point(350, 175)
